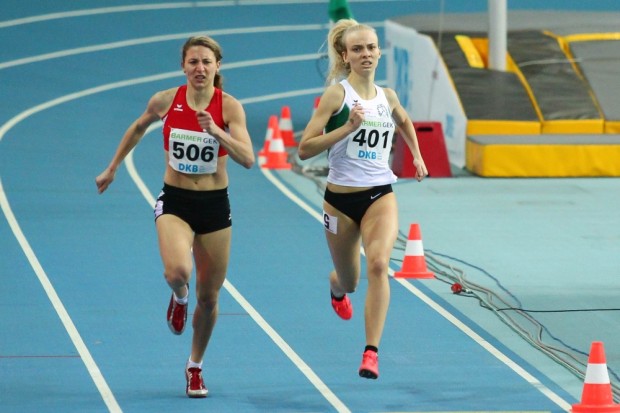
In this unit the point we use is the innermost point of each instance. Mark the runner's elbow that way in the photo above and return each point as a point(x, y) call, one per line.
point(248, 162)
point(303, 152)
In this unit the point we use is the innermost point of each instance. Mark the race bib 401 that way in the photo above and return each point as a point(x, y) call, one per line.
point(372, 141)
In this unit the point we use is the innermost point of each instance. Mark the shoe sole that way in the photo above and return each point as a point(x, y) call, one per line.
point(197, 395)
point(367, 374)
point(344, 318)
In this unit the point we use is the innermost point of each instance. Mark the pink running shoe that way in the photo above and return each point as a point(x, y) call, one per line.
point(370, 365)
point(195, 385)
point(177, 316)
point(343, 308)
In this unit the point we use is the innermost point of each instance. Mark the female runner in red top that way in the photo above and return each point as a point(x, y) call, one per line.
point(203, 127)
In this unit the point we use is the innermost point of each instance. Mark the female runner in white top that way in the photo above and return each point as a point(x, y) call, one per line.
point(355, 120)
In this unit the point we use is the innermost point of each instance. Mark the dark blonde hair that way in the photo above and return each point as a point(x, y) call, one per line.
point(336, 43)
point(209, 43)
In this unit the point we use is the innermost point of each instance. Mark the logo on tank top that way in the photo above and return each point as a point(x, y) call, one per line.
point(178, 108)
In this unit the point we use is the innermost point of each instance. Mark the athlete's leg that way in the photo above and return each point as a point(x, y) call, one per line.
point(379, 231)
point(175, 240)
point(211, 255)
point(344, 247)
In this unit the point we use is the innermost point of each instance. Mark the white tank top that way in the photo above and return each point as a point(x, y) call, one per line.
point(362, 157)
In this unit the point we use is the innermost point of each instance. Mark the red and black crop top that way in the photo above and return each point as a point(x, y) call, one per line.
point(181, 116)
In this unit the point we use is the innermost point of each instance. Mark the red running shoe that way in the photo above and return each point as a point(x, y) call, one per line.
point(177, 316)
point(195, 385)
point(343, 308)
point(370, 365)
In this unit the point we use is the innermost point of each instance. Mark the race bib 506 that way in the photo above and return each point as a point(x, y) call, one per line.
point(193, 152)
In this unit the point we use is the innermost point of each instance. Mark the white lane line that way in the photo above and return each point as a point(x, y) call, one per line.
point(165, 38)
point(158, 39)
point(105, 10)
point(533, 381)
point(162, 6)
point(146, 7)
point(131, 82)
point(290, 353)
point(87, 358)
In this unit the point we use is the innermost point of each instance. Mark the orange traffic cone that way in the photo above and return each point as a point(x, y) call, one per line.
point(414, 265)
point(596, 396)
point(271, 126)
point(276, 156)
point(286, 127)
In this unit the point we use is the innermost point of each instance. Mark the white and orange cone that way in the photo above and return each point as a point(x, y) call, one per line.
point(286, 127)
point(596, 396)
point(276, 156)
point(414, 264)
point(272, 124)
